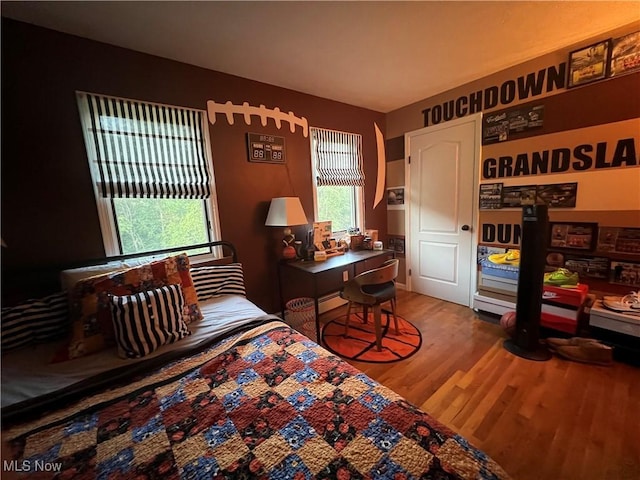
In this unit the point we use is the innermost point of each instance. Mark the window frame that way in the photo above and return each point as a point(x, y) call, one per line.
point(105, 206)
point(358, 201)
point(358, 193)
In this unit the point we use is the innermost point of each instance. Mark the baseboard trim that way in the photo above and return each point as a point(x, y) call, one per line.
point(333, 301)
point(330, 302)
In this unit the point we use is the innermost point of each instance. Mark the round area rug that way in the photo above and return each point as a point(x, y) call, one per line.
point(360, 344)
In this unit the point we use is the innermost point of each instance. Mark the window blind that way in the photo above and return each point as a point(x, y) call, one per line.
point(338, 157)
point(145, 150)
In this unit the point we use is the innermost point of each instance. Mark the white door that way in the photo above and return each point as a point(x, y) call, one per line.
point(443, 183)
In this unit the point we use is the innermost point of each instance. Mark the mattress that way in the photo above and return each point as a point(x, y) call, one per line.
point(28, 372)
point(263, 403)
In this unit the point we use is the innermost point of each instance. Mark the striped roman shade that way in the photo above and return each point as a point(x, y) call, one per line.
point(337, 157)
point(147, 320)
point(145, 150)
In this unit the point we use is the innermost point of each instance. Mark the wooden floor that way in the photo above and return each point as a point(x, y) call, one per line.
point(539, 420)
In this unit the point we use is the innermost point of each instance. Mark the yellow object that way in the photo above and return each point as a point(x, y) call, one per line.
point(319, 256)
point(512, 257)
point(561, 278)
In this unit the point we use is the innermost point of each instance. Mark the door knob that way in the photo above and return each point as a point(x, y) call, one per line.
point(465, 227)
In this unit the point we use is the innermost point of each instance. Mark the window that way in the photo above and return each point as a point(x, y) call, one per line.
point(151, 171)
point(339, 178)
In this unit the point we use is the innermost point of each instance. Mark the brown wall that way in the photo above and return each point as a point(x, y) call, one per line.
point(49, 212)
point(607, 110)
point(572, 108)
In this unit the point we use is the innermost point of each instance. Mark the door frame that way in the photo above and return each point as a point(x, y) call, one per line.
point(477, 119)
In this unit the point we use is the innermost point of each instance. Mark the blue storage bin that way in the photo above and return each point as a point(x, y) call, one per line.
point(499, 270)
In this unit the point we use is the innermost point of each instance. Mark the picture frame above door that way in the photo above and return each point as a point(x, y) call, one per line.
point(589, 64)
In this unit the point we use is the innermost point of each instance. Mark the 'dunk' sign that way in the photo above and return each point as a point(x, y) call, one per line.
point(500, 234)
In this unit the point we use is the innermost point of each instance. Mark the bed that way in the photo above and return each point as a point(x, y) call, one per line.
point(242, 396)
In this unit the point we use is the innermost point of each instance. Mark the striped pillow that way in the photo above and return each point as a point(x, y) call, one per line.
point(218, 280)
point(34, 321)
point(91, 323)
point(146, 320)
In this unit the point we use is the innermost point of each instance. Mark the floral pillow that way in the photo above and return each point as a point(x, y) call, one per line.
point(92, 328)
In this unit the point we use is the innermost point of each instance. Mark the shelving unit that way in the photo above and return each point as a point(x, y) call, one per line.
point(602, 286)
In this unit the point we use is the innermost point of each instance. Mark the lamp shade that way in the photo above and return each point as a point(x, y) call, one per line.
point(286, 212)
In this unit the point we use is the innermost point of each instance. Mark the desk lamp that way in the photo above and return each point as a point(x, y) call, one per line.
point(286, 212)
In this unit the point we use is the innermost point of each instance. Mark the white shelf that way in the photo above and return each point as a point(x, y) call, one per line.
point(492, 305)
point(617, 322)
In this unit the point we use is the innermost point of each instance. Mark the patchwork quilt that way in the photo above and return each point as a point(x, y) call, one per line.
point(267, 403)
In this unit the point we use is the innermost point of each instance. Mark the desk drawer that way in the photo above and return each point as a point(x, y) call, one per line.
point(333, 280)
point(302, 284)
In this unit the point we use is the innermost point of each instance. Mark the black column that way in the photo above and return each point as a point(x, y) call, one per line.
point(533, 250)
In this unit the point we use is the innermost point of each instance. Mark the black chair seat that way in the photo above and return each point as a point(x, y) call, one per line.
point(370, 289)
point(382, 293)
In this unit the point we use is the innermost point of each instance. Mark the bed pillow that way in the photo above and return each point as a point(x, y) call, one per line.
point(147, 320)
point(71, 276)
point(218, 280)
point(35, 321)
point(92, 328)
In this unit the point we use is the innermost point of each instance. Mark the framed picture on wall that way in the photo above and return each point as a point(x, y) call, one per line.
point(558, 195)
point(625, 273)
point(619, 240)
point(625, 54)
point(589, 64)
point(396, 243)
point(490, 196)
point(395, 198)
point(518, 195)
point(573, 236)
point(495, 128)
point(591, 267)
point(628, 241)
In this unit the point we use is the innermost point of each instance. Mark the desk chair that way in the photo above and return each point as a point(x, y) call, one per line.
point(371, 289)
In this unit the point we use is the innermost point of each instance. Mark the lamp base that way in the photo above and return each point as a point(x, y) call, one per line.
point(289, 253)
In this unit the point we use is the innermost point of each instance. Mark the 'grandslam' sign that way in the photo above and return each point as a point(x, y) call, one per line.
point(525, 87)
point(613, 145)
point(560, 160)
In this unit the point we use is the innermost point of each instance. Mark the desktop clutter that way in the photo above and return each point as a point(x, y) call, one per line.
point(321, 243)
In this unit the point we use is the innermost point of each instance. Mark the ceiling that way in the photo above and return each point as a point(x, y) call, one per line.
point(377, 55)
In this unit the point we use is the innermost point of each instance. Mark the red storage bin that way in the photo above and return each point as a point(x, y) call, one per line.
point(561, 307)
point(562, 324)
